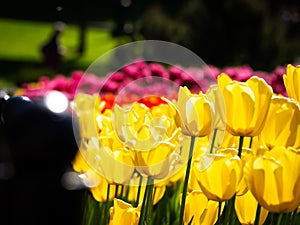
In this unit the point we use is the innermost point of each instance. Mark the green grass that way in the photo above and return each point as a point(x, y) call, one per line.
point(20, 57)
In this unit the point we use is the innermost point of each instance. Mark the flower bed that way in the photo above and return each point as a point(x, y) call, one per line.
point(68, 84)
point(225, 154)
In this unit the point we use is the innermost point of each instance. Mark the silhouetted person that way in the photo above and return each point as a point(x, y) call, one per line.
point(52, 50)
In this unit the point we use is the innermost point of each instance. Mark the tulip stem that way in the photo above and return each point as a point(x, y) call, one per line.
point(250, 143)
point(294, 216)
point(285, 220)
point(117, 190)
point(257, 217)
point(150, 200)
point(219, 213)
point(107, 204)
point(85, 208)
point(122, 191)
point(230, 212)
point(276, 218)
point(143, 210)
point(186, 180)
point(139, 191)
point(127, 193)
point(213, 141)
point(241, 146)
point(147, 203)
point(279, 218)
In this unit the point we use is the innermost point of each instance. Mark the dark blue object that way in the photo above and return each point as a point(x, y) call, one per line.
point(40, 145)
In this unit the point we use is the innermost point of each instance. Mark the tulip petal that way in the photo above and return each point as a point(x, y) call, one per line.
point(223, 79)
point(263, 94)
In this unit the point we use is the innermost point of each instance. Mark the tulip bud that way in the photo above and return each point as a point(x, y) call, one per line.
point(247, 104)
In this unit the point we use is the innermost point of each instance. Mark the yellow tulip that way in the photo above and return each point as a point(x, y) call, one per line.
point(98, 185)
point(116, 166)
point(79, 164)
point(210, 214)
point(202, 147)
point(195, 112)
point(152, 137)
point(245, 208)
point(157, 162)
point(158, 191)
point(123, 213)
point(215, 96)
point(87, 176)
point(86, 108)
point(274, 179)
point(100, 191)
point(220, 180)
point(107, 134)
point(104, 121)
point(164, 115)
point(193, 181)
point(247, 153)
point(90, 177)
point(282, 127)
point(176, 176)
point(142, 128)
point(247, 104)
point(196, 203)
point(194, 116)
point(202, 210)
point(230, 141)
point(291, 81)
point(131, 123)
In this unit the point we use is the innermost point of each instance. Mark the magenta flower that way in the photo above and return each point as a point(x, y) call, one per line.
point(197, 79)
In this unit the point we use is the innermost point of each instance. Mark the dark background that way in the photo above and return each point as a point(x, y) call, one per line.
point(37, 147)
point(262, 34)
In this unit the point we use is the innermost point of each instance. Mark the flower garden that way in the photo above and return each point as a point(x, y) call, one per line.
point(227, 153)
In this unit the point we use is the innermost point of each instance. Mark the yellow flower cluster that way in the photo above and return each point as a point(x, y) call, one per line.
point(235, 149)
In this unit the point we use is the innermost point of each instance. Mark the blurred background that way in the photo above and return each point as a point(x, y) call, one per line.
point(263, 34)
point(47, 38)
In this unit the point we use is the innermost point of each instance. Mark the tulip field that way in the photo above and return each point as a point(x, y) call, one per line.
point(216, 153)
